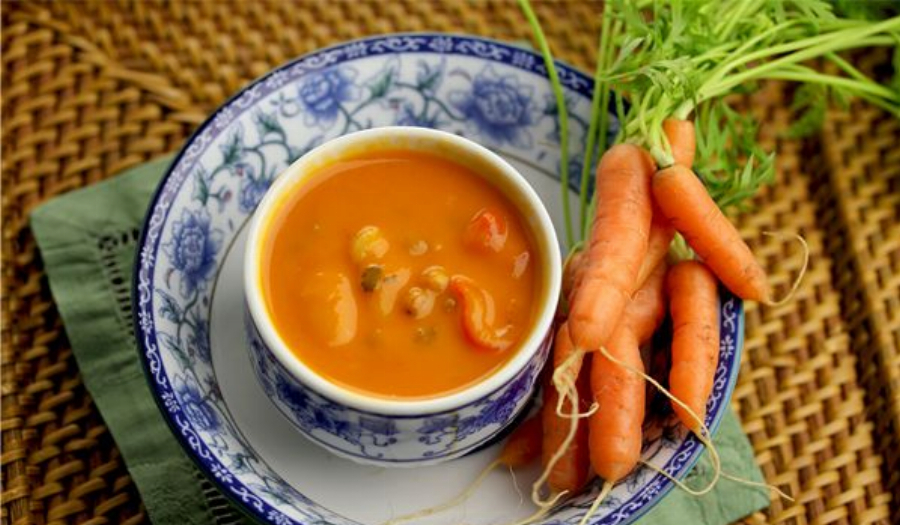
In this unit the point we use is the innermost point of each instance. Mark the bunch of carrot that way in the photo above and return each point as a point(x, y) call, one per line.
point(672, 59)
point(617, 291)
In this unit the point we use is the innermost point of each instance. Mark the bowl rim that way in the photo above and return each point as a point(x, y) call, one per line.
point(303, 171)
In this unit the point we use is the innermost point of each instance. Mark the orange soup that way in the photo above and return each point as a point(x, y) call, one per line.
point(400, 274)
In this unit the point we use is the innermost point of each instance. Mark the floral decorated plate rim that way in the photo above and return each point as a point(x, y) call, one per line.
point(163, 201)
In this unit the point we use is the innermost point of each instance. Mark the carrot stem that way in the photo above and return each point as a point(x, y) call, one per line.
point(598, 122)
point(562, 113)
point(599, 132)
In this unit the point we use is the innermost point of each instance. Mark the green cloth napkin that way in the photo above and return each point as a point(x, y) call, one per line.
point(87, 240)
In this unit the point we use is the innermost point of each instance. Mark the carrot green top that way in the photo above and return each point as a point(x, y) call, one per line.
point(682, 58)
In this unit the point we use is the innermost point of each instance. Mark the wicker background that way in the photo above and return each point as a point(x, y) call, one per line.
point(92, 88)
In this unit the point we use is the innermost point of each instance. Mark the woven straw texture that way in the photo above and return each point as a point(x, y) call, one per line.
point(92, 88)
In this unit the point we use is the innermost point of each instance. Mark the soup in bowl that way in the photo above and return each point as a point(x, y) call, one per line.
point(401, 285)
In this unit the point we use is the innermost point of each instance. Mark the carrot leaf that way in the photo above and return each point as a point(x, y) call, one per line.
point(685, 59)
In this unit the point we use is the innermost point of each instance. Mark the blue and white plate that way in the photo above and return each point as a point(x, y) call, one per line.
point(188, 294)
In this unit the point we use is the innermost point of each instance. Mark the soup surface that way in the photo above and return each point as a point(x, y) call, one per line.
point(400, 274)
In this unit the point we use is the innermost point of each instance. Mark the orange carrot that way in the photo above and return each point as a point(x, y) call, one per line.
point(647, 308)
point(523, 445)
point(617, 246)
point(685, 202)
point(682, 140)
point(615, 428)
point(571, 271)
point(565, 367)
point(680, 134)
point(572, 471)
point(693, 303)
point(578, 275)
point(661, 235)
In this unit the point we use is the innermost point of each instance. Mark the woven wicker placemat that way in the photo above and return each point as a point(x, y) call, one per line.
point(92, 88)
point(863, 153)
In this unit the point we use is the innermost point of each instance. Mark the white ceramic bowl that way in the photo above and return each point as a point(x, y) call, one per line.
point(390, 431)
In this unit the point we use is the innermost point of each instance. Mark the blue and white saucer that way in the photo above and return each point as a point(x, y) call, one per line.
point(188, 293)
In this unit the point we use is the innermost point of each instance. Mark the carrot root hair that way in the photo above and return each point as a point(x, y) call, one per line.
point(571, 392)
point(694, 492)
point(680, 484)
point(565, 386)
point(456, 501)
point(796, 285)
point(704, 436)
point(542, 510)
point(574, 414)
point(515, 484)
point(567, 389)
point(543, 506)
point(752, 483)
point(604, 492)
point(561, 378)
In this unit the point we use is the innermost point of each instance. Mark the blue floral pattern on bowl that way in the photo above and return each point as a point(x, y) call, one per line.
point(495, 93)
point(373, 438)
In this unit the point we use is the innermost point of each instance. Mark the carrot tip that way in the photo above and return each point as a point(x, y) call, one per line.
point(604, 492)
point(796, 285)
